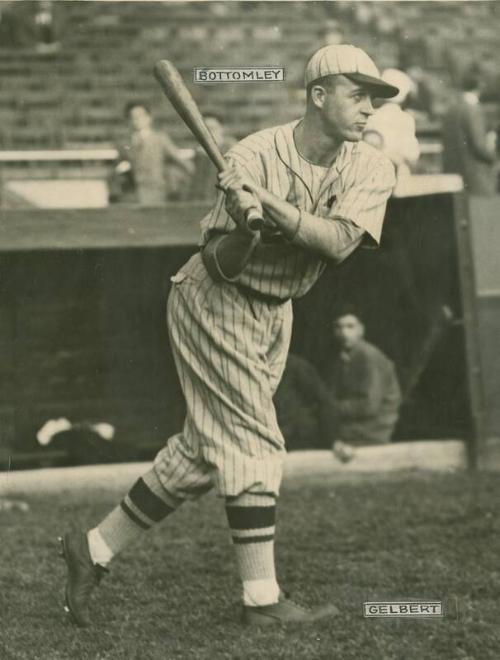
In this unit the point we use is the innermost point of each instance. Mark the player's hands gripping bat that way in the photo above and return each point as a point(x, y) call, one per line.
point(175, 90)
point(239, 198)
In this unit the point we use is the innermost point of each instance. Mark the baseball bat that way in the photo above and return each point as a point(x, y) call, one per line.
point(180, 97)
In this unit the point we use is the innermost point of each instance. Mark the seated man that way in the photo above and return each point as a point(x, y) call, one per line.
point(303, 406)
point(364, 386)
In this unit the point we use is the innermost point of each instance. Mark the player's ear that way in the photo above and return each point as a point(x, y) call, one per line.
point(317, 95)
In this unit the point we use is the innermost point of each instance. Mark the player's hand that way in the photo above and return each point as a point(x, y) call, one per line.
point(235, 178)
point(239, 199)
point(343, 452)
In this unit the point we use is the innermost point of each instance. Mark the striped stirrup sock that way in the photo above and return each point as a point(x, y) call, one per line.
point(146, 504)
point(252, 519)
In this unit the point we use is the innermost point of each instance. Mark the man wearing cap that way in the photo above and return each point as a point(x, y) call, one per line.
point(392, 129)
point(322, 193)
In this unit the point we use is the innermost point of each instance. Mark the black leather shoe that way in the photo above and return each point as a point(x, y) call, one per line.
point(286, 611)
point(83, 576)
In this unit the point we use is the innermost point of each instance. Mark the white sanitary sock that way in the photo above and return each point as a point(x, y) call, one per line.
point(99, 550)
point(257, 593)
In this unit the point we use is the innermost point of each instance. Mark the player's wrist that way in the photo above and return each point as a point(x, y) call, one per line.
point(263, 195)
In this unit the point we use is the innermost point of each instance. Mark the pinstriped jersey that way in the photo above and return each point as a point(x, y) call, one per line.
point(354, 188)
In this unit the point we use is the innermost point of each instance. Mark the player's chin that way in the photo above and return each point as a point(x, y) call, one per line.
point(356, 132)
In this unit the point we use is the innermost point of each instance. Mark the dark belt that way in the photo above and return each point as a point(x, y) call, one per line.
point(261, 297)
point(247, 291)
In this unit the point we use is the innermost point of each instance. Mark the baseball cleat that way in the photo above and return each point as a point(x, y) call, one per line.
point(83, 576)
point(286, 611)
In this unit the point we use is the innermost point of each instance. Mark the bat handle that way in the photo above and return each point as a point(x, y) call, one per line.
point(254, 219)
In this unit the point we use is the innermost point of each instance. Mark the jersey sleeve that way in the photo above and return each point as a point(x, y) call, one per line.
point(368, 185)
point(218, 221)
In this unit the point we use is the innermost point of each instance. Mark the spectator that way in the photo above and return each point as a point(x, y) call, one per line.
point(303, 406)
point(147, 157)
point(391, 129)
point(331, 33)
point(364, 388)
point(385, 23)
point(16, 25)
point(420, 100)
point(44, 20)
point(364, 13)
point(202, 184)
point(468, 150)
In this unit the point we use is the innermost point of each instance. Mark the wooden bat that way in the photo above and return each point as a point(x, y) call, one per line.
point(178, 94)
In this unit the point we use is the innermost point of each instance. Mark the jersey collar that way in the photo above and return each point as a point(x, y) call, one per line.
point(288, 154)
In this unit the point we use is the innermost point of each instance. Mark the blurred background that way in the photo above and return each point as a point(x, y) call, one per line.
point(68, 69)
point(102, 189)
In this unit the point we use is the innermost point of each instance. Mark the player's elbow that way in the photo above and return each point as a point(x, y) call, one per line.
point(336, 253)
point(335, 257)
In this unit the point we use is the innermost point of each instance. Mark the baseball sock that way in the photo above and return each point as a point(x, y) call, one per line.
point(146, 504)
point(251, 519)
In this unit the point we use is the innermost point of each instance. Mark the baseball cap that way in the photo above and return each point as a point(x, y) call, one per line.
point(351, 62)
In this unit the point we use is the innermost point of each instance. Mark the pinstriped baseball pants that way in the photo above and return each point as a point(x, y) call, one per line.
point(230, 351)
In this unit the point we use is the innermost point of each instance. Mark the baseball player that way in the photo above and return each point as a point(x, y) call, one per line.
point(323, 193)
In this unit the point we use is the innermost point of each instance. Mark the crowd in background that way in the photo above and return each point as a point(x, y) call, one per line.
point(29, 24)
point(151, 170)
point(437, 77)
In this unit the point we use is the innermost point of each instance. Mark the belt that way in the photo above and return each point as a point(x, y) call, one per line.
point(245, 290)
point(262, 297)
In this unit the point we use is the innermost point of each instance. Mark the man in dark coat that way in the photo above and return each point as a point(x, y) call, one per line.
point(364, 388)
point(468, 148)
point(303, 406)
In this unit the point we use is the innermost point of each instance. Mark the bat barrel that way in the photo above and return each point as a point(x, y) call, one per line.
point(176, 91)
point(178, 94)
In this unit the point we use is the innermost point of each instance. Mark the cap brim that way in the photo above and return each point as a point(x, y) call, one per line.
point(379, 88)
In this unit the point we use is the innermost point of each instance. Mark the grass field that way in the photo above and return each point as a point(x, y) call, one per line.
point(175, 594)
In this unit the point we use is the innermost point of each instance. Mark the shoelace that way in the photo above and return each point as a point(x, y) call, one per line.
point(286, 596)
point(300, 607)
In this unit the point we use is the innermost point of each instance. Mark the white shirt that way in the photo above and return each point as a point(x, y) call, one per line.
point(397, 129)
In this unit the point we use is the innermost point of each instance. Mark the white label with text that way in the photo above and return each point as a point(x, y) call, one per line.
point(410, 608)
point(239, 74)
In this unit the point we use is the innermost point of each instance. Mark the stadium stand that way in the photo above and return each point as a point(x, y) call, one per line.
point(73, 97)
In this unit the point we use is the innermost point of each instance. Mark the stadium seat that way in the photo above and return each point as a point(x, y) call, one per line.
point(107, 56)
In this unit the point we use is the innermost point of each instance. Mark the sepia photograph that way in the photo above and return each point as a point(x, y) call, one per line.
point(249, 330)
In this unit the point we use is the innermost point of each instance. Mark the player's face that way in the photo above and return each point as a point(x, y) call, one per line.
point(139, 118)
point(345, 110)
point(348, 330)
